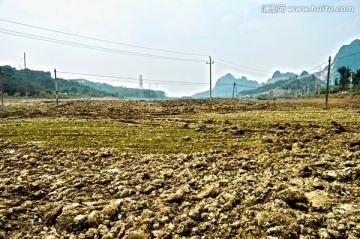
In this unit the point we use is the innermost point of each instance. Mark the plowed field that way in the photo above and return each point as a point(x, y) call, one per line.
point(180, 169)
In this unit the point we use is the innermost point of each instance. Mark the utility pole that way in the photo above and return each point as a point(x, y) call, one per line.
point(234, 90)
point(327, 85)
point(2, 90)
point(141, 87)
point(234, 95)
point(56, 89)
point(26, 85)
point(210, 63)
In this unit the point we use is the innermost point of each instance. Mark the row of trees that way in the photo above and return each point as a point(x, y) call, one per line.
point(347, 80)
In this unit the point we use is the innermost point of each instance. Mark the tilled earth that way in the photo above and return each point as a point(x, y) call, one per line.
point(277, 170)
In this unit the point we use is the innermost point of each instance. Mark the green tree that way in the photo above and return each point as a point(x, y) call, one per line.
point(86, 90)
point(345, 74)
point(356, 78)
point(74, 90)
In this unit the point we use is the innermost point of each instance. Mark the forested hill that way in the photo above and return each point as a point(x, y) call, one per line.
point(41, 84)
point(123, 92)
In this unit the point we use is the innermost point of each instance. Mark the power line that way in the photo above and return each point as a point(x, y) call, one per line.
point(346, 56)
point(136, 80)
point(69, 43)
point(128, 45)
point(336, 58)
point(127, 79)
point(117, 78)
point(317, 66)
point(101, 40)
point(239, 70)
point(105, 76)
point(356, 53)
point(130, 78)
point(237, 65)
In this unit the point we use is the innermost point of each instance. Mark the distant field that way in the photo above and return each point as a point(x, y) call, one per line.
point(162, 126)
point(218, 168)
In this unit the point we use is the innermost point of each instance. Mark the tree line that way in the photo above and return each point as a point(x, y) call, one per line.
point(348, 80)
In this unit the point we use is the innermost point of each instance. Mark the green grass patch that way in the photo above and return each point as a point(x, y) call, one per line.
point(167, 137)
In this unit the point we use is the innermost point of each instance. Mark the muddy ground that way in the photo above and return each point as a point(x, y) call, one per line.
point(181, 169)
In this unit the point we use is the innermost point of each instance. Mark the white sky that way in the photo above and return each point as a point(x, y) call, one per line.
point(233, 30)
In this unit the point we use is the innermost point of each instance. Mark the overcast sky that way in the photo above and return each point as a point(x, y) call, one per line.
point(233, 30)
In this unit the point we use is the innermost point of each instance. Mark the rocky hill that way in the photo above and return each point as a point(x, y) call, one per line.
point(307, 84)
point(280, 76)
point(225, 84)
point(352, 53)
point(348, 55)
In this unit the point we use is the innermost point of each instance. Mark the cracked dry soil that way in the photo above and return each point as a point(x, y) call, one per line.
point(290, 176)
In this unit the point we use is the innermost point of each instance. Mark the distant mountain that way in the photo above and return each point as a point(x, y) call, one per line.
point(304, 74)
point(348, 55)
point(123, 92)
point(291, 87)
point(225, 84)
point(280, 76)
point(351, 60)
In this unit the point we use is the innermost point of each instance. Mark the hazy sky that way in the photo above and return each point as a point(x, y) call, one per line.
point(233, 30)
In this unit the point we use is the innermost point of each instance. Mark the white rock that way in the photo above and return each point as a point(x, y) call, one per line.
point(318, 200)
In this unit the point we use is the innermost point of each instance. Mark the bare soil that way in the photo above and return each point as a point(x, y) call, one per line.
point(227, 169)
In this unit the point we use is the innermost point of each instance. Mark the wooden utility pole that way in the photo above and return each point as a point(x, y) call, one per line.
point(236, 91)
point(2, 90)
point(56, 89)
point(327, 85)
point(234, 95)
point(210, 63)
point(26, 85)
point(233, 90)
